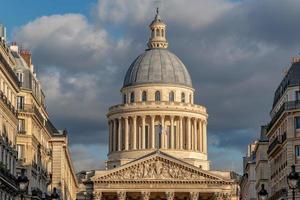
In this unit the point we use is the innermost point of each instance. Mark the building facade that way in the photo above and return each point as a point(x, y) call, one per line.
point(283, 132)
point(29, 141)
point(9, 88)
point(158, 135)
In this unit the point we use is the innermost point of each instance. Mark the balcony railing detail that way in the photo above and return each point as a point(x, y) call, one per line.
point(4, 99)
point(289, 105)
point(276, 142)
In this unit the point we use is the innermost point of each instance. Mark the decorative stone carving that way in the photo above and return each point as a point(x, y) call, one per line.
point(170, 195)
point(157, 168)
point(97, 195)
point(222, 196)
point(194, 195)
point(121, 195)
point(146, 195)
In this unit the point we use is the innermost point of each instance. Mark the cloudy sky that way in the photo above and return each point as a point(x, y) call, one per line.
point(235, 52)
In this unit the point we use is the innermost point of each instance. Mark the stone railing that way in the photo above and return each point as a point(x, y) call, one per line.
point(159, 104)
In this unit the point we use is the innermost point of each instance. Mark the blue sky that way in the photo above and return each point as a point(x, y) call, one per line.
point(234, 50)
point(15, 13)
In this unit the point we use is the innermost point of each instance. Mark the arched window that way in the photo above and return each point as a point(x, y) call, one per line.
point(124, 98)
point(171, 96)
point(162, 32)
point(190, 98)
point(157, 96)
point(157, 33)
point(131, 97)
point(144, 96)
point(152, 33)
point(182, 97)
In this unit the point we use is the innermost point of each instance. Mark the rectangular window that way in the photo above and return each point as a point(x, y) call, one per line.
point(20, 77)
point(297, 151)
point(20, 149)
point(21, 126)
point(297, 122)
point(297, 95)
point(20, 103)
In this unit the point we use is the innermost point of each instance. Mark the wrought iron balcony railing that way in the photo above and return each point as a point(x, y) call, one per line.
point(289, 105)
point(276, 142)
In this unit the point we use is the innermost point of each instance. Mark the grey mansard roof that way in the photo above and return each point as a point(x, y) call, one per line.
point(157, 66)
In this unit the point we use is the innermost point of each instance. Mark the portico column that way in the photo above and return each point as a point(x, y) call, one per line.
point(194, 195)
point(121, 195)
point(172, 138)
point(153, 131)
point(115, 135)
point(110, 135)
point(170, 195)
point(195, 135)
point(180, 133)
point(204, 137)
point(134, 132)
point(200, 145)
point(145, 195)
point(162, 139)
point(120, 134)
point(188, 134)
point(143, 132)
point(126, 134)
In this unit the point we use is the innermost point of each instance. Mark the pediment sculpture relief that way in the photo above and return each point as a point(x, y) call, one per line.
point(156, 169)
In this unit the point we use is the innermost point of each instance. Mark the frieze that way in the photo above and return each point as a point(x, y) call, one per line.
point(157, 169)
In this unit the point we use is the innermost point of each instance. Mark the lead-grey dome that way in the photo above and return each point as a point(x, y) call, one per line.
point(157, 66)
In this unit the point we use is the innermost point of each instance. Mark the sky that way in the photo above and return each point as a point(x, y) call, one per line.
point(235, 51)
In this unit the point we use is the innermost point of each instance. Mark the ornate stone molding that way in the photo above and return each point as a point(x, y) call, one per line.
point(158, 169)
point(194, 195)
point(97, 195)
point(170, 195)
point(222, 196)
point(121, 195)
point(145, 195)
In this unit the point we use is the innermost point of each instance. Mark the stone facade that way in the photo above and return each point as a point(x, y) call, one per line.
point(158, 136)
point(9, 88)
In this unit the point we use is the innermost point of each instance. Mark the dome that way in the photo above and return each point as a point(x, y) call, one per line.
point(157, 66)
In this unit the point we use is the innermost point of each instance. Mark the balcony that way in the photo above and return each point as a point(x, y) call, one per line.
point(5, 101)
point(29, 108)
point(289, 105)
point(276, 143)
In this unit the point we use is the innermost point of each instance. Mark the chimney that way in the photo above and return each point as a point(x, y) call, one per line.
point(296, 59)
point(2, 32)
point(26, 55)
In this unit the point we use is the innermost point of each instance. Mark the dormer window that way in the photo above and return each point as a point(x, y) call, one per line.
point(20, 77)
point(171, 96)
point(157, 96)
point(183, 97)
point(144, 96)
point(131, 97)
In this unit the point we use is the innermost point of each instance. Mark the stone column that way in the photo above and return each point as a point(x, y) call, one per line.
point(172, 138)
point(153, 131)
point(115, 135)
point(121, 195)
point(188, 134)
point(204, 137)
point(194, 195)
point(134, 133)
point(97, 195)
point(180, 133)
point(126, 134)
point(162, 138)
point(200, 140)
point(195, 135)
point(145, 195)
point(170, 195)
point(110, 136)
point(120, 134)
point(143, 133)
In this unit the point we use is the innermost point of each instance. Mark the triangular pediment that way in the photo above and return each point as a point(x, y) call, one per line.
point(157, 166)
